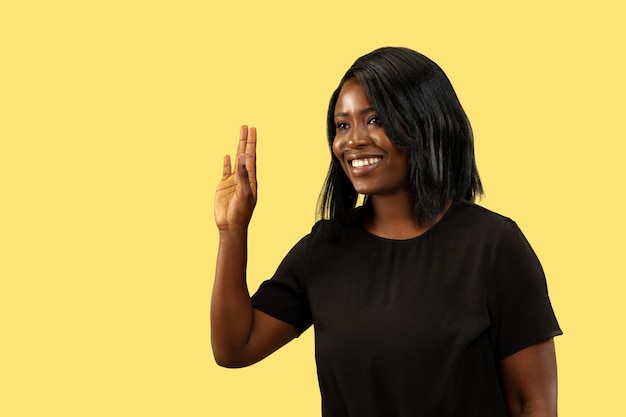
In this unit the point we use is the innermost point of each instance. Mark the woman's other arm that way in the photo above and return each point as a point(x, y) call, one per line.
point(240, 334)
point(529, 379)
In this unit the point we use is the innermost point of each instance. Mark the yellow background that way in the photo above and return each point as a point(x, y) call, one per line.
point(115, 115)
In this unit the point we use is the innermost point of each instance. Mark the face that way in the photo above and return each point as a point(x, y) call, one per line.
point(374, 165)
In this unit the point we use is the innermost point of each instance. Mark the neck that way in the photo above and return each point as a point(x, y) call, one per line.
point(393, 218)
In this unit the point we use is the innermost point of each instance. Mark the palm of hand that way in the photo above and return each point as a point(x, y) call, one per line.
point(236, 194)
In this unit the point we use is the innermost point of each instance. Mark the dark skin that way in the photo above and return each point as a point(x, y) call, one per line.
point(529, 380)
point(374, 165)
point(242, 335)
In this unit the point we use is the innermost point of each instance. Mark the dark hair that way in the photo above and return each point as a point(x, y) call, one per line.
point(421, 113)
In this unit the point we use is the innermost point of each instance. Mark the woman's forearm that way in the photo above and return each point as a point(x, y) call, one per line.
point(231, 307)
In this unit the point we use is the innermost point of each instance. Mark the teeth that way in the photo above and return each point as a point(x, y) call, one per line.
point(365, 162)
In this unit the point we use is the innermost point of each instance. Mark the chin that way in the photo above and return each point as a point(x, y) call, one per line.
point(366, 191)
point(362, 190)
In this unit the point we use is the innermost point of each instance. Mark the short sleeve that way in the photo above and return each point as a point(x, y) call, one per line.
point(284, 295)
point(519, 304)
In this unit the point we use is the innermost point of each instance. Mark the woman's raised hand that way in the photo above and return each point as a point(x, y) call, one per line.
point(236, 193)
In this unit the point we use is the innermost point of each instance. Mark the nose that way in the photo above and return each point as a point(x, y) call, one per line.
point(358, 137)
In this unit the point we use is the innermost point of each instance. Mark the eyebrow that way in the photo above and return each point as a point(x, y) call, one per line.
point(346, 114)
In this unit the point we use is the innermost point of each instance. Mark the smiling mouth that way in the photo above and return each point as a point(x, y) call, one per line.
point(357, 163)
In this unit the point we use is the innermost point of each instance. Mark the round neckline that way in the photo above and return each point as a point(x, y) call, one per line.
point(363, 229)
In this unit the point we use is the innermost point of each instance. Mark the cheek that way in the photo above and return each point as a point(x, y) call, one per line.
point(401, 164)
point(338, 148)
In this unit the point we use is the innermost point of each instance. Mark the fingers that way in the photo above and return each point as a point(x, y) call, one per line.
point(245, 146)
point(246, 164)
point(250, 159)
point(251, 142)
point(227, 167)
point(243, 138)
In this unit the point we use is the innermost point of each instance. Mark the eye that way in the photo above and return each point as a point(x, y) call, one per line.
point(342, 126)
point(374, 121)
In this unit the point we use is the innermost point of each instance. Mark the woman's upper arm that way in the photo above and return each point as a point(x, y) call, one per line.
point(267, 335)
point(529, 380)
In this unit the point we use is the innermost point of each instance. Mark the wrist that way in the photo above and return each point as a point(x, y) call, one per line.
point(233, 232)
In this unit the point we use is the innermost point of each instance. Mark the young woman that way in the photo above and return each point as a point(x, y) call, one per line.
point(423, 303)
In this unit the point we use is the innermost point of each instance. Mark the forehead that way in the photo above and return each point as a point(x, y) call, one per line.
point(352, 94)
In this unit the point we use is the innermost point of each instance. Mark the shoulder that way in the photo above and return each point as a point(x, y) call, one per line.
point(473, 227)
point(477, 213)
point(479, 220)
point(321, 233)
point(335, 231)
point(327, 232)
